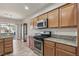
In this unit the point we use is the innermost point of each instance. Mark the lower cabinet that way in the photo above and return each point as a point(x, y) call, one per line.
point(31, 42)
point(58, 49)
point(1, 47)
point(8, 45)
point(65, 50)
point(60, 52)
point(8, 50)
point(49, 49)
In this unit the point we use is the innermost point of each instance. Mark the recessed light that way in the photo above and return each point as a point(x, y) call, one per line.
point(26, 7)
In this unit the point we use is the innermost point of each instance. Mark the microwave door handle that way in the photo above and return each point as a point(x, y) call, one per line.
point(45, 23)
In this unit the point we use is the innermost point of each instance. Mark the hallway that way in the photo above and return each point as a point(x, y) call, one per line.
point(20, 49)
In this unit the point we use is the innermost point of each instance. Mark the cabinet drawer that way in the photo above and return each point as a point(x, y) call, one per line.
point(8, 39)
point(1, 50)
point(8, 45)
point(8, 42)
point(66, 47)
point(60, 52)
point(1, 40)
point(49, 43)
point(7, 50)
point(1, 43)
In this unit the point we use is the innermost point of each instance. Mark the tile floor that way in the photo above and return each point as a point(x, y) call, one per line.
point(20, 49)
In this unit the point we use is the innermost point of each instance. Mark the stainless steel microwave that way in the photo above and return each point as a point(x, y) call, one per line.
point(42, 23)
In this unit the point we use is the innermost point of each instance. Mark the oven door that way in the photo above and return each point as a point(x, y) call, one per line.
point(38, 44)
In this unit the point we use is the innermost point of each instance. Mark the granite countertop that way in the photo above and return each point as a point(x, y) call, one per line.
point(3, 36)
point(64, 41)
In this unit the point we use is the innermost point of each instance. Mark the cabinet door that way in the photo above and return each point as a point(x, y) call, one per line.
point(32, 23)
point(60, 52)
point(49, 51)
point(31, 42)
point(8, 45)
point(1, 50)
point(49, 48)
point(68, 15)
point(1, 47)
point(43, 17)
point(35, 22)
point(53, 18)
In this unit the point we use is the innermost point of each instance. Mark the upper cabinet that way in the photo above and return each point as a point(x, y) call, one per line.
point(42, 17)
point(53, 18)
point(68, 15)
point(64, 16)
point(34, 22)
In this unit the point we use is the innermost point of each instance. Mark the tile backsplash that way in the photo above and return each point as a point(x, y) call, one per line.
point(60, 31)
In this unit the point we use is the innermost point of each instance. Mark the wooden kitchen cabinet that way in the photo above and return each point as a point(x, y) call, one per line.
point(31, 42)
point(39, 17)
point(42, 17)
point(63, 16)
point(65, 50)
point(35, 22)
point(60, 52)
point(53, 18)
point(1, 47)
point(58, 49)
point(68, 17)
point(32, 23)
point(49, 48)
point(8, 45)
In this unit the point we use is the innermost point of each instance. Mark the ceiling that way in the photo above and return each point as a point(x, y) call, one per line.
point(17, 11)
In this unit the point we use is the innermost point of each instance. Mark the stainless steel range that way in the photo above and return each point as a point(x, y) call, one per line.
point(39, 42)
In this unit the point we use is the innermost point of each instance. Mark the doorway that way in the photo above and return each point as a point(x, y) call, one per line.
point(25, 32)
point(8, 28)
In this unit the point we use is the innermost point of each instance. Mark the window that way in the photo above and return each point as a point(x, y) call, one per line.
point(7, 28)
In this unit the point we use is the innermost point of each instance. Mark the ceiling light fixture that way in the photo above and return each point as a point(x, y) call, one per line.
point(26, 7)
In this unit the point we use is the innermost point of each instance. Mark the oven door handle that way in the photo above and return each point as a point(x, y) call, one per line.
point(38, 40)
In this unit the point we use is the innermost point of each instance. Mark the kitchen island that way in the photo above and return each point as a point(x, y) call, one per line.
point(6, 44)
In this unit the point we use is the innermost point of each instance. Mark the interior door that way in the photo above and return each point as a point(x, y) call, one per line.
point(24, 32)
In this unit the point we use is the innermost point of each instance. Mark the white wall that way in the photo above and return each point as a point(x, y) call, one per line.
point(19, 31)
point(6, 20)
